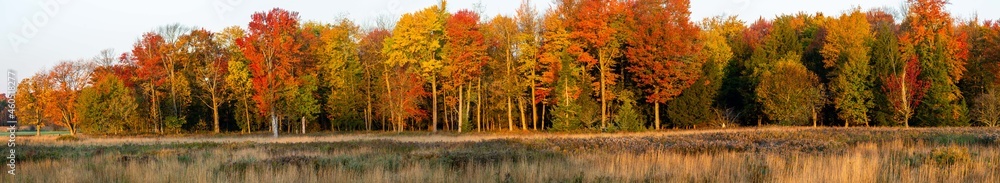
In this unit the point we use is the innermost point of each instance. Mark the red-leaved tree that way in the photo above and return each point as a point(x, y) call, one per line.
point(904, 91)
point(661, 50)
point(273, 47)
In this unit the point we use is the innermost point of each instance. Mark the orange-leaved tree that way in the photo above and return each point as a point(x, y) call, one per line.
point(272, 47)
point(151, 74)
point(928, 34)
point(466, 52)
point(661, 49)
point(596, 28)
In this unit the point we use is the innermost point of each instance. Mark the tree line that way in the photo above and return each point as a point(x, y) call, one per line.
point(603, 65)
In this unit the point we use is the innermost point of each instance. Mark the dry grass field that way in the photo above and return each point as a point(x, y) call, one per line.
point(779, 154)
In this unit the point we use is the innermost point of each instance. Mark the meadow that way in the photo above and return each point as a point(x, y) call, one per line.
point(776, 154)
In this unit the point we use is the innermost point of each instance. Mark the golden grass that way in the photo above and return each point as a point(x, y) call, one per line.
point(933, 155)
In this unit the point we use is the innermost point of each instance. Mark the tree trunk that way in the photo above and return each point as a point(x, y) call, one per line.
point(38, 129)
point(154, 109)
point(534, 107)
point(460, 102)
point(215, 112)
point(468, 105)
point(446, 118)
point(656, 111)
point(274, 123)
point(368, 96)
point(434, 104)
point(542, 123)
point(246, 111)
point(604, 105)
point(814, 117)
point(520, 107)
point(510, 114)
point(566, 99)
point(479, 105)
point(303, 125)
point(72, 129)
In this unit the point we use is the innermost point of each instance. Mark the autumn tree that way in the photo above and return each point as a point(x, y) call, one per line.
point(986, 108)
point(178, 89)
point(846, 57)
point(340, 71)
point(272, 49)
point(983, 77)
point(563, 78)
point(238, 81)
point(595, 28)
point(789, 93)
point(376, 77)
point(886, 60)
point(928, 34)
point(67, 79)
point(552, 53)
point(694, 106)
point(785, 36)
point(466, 51)
point(502, 36)
point(30, 101)
point(662, 49)
point(151, 74)
point(208, 63)
point(417, 43)
point(107, 107)
point(302, 101)
point(527, 47)
point(904, 90)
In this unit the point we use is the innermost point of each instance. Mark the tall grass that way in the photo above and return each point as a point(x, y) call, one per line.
point(829, 155)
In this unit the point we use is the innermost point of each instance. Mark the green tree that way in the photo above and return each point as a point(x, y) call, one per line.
point(629, 118)
point(304, 103)
point(341, 72)
point(928, 34)
point(238, 78)
point(886, 60)
point(694, 106)
point(107, 107)
point(789, 93)
point(846, 58)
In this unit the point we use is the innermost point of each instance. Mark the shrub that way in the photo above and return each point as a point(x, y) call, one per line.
point(950, 155)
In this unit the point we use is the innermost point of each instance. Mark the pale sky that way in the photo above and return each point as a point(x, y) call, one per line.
point(38, 34)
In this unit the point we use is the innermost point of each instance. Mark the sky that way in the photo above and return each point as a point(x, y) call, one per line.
point(36, 35)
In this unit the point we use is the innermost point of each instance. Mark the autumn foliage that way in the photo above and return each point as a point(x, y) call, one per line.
point(579, 65)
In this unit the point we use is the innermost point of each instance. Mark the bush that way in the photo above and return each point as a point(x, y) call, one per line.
point(950, 155)
point(986, 108)
point(174, 123)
